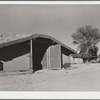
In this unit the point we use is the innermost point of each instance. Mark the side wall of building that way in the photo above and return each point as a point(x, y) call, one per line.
point(18, 64)
point(51, 60)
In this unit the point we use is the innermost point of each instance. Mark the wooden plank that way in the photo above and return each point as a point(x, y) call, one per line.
point(31, 57)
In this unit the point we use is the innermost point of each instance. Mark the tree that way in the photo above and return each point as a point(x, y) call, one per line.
point(87, 38)
point(93, 51)
point(85, 57)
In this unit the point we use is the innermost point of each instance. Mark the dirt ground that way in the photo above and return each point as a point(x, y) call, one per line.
point(81, 77)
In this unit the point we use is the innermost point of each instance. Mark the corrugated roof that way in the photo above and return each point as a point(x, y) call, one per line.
point(11, 40)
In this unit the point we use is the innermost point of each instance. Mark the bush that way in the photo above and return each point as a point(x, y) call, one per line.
point(93, 61)
point(98, 61)
point(66, 65)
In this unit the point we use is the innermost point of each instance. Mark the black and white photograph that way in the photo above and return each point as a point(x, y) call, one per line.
point(50, 47)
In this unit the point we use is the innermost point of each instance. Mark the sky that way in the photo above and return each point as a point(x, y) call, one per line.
point(58, 21)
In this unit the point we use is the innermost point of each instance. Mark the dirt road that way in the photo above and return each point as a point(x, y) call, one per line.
point(84, 77)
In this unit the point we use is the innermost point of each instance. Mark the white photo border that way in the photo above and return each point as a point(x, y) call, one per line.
point(50, 95)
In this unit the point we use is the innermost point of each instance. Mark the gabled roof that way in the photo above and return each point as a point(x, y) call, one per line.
point(33, 36)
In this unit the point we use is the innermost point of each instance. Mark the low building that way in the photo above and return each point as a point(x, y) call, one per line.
point(33, 52)
point(75, 59)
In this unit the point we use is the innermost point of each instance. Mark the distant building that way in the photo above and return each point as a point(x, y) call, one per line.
point(33, 52)
point(75, 59)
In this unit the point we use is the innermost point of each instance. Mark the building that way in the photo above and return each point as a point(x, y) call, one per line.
point(75, 58)
point(33, 52)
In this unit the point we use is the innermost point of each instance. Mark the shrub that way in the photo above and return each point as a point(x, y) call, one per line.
point(66, 65)
point(93, 61)
point(98, 61)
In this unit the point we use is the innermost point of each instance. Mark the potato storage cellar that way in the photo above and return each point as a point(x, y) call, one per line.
point(32, 53)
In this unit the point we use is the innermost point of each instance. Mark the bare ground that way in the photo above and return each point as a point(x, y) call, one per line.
point(82, 77)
